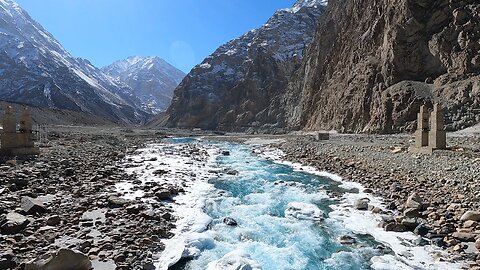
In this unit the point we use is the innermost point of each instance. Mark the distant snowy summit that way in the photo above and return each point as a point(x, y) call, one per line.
point(307, 4)
point(151, 79)
point(35, 69)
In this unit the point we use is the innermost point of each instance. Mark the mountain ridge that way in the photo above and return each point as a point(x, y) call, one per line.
point(151, 79)
point(233, 88)
point(35, 69)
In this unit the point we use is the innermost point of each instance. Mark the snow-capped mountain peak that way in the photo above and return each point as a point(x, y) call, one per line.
point(151, 78)
point(232, 88)
point(35, 69)
point(307, 3)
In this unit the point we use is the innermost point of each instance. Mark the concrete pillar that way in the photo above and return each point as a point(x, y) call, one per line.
point(437, 135)
point(421, 135)
point(9, 121)
point(25, 122)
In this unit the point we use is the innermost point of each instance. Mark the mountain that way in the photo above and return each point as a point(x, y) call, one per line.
point(35, 69)
point(373, 63)
point(151, 79)
point(240, 84)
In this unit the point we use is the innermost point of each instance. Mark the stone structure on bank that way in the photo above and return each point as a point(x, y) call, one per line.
point(17, 143)
point(430, 134)
point(322, 136)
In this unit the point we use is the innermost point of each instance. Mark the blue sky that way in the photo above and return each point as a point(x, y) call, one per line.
point(183, 32)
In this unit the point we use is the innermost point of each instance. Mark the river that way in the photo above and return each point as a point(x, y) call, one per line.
point(282, 215)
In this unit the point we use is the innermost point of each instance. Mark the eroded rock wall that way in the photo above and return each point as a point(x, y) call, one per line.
point(374, 62)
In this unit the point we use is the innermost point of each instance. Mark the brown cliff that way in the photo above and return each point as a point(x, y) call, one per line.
point(373, 63)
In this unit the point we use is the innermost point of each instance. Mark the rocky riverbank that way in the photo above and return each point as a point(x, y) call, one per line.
point(437, 196)
point(66, 198)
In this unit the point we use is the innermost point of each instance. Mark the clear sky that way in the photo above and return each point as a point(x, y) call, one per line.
point(183, 32)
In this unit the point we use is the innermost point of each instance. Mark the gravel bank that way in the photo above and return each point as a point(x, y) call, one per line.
point(66, 199)
point(426, 194)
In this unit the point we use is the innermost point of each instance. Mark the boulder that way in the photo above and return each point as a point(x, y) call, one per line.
point(477, 244)
point(346, 240)
point(163, 194)
point(471, 215)
point(421, 230)
point(14, 223)
point(32, 205)
point(226, 153)
point(464, 236)
point(231, 172)
point(420, 241)
point(438, 241)
point(410, 223)
point(411, 213)
point(53, 220)
point(395, 227)
point(62, 260)
point(414, 202)
point(361, 204)
point(114, 201)
point(8, 261)
point(230, 221)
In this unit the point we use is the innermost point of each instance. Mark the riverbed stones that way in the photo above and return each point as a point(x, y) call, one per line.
point(398, 176)
point(470, 215)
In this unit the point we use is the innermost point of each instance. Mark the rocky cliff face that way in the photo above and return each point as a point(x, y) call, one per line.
point(151, 79)
point(242, 83)
point(35, 69)
point(373, 63)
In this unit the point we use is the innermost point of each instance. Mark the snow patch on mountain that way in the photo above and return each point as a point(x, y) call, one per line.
point(152, 79)
point(37, 70)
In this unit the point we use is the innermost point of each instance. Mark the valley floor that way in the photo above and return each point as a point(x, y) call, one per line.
point(75, 176)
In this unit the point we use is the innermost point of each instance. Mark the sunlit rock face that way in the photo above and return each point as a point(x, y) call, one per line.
point(241, 85)
point(373, 63)
point(35, 69)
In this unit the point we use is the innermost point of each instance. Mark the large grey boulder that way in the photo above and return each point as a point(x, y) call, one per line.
point(32, 205)
point(65, 259)
point(14, 223)
point(471, 215)
point(414, 202)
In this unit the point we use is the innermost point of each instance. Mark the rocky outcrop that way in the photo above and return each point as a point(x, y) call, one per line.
point(241, 84)
point(373, 63)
